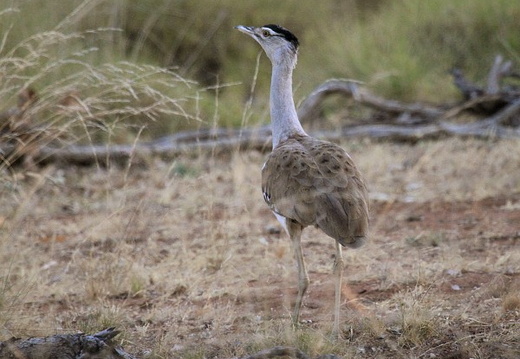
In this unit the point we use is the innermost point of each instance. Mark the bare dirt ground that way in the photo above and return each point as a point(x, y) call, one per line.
point(184, 257)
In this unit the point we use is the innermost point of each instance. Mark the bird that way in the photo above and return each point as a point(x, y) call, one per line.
point(307, 181)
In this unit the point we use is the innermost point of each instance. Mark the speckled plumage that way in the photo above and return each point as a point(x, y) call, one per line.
point(315, 183)
point(306, 181)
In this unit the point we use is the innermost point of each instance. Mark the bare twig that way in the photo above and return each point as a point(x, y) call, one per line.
point(351, 89)
point(468, 90)
point(498, 70)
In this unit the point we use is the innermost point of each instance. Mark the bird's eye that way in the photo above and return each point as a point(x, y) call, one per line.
point(266, 33)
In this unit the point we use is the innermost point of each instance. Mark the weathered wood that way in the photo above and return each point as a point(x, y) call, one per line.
point(490, 111)
point(308, 109)
point(498, 70)
point(260, 140)
point(492, 97)
point(468, 89)
point(65, 346)
point(99, 346)
point(216, 141)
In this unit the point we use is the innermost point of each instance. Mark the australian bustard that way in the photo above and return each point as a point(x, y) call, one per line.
point(306, 181)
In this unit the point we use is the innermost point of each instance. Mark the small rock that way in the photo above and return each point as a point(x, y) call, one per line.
point(414, 186)
point(361, 350)
point(49, 265)
point(263, 241)
point(453, 272)
point(177, 347)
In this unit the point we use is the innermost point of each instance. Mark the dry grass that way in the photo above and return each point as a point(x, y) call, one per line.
point(181, 256)
point(184, 257)
point(78, 97)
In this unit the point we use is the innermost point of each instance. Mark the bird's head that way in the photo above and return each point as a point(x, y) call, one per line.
point(280, 45)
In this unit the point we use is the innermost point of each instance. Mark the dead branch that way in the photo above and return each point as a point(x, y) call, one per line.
point(65, 346)
point(490, 111)
point(498, 70)
point(216, 141)
point(351, 89)
point(99, 346)
point(260, 139)
point(487, 100)
point(468, 90)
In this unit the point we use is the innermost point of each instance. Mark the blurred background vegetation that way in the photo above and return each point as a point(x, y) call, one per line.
point(188, 53)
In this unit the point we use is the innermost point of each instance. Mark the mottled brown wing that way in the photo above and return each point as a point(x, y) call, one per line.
point(316, 183)
point(287, 182)
point(342, 197)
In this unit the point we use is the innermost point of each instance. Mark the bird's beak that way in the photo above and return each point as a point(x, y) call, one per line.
point(245, 29)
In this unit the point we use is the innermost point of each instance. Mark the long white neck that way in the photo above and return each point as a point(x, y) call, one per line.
point(284, 119)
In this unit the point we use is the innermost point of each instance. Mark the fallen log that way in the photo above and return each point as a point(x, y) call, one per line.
point(308, 109)
point(99, 346)
point(65, 346)
point(494, 109)
point(216, 141)
point(260, 139)
point(492, 97)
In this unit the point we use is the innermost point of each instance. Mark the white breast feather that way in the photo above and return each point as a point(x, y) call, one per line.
point(282, 220)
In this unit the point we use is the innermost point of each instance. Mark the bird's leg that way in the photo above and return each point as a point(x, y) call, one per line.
point(295, 231)
point(338, 269)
